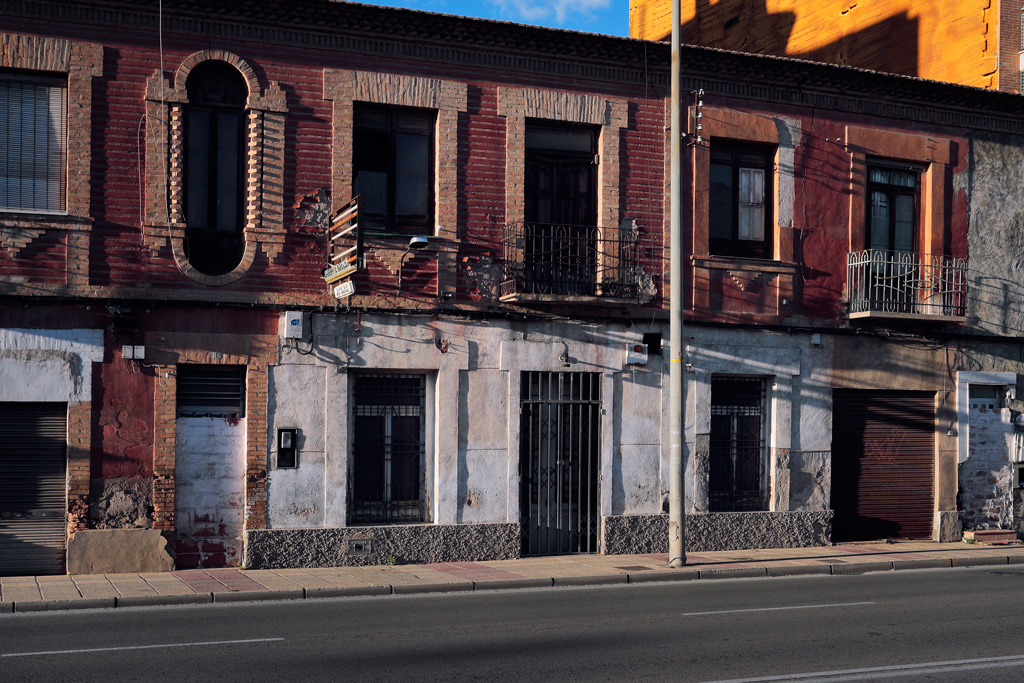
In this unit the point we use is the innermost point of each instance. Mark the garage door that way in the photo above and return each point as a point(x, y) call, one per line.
point(33, 472)
point(883, 464)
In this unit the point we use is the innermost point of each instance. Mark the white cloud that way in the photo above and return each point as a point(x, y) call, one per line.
point(535, 10)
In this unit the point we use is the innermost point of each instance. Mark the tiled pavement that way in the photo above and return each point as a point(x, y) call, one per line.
point(41, 593)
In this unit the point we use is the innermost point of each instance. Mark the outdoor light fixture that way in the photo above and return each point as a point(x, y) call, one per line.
point(417, 243)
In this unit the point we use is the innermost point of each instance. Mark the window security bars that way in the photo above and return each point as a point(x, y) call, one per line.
point(736, 467)
point(905, 282)
point(388, 462)
point(560, 461)
point(570, 260)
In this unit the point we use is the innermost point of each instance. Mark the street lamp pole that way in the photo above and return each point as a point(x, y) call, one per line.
point(676, 517)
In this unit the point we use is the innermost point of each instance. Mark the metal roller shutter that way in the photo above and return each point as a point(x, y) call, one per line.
point(33, 475)
point(883, 464)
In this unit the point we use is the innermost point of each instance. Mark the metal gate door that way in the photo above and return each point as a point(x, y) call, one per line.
point(559, 461)
point(33, 500)
point(883, 464)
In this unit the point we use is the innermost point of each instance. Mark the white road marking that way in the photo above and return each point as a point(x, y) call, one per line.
point(138, 647)
point(896, 671)
point(776, 609)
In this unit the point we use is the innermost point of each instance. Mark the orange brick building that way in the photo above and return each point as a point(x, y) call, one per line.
point(971, 42)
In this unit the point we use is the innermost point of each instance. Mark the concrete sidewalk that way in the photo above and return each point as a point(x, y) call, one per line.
point(197, 586)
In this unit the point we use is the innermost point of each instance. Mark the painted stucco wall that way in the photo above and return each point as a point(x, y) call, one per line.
point(296, 398)
point(48, 365)
point(473, 397)
point(798, 434)
point(474, 392)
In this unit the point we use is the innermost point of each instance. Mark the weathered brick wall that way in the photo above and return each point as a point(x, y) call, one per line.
point(986, 496)
point(299, 134)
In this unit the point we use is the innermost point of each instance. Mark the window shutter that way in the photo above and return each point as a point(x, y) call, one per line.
point(751, 198)
point(33, 154)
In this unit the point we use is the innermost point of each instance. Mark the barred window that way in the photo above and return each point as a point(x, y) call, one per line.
point(388, 460)
point(33, 142)
point(736, 468)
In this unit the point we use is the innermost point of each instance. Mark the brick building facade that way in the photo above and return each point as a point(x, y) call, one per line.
point(495, 385)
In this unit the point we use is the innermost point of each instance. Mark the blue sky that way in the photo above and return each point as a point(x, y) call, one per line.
point(594, 16)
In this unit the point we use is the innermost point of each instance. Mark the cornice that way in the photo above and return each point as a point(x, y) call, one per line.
point(508, 49)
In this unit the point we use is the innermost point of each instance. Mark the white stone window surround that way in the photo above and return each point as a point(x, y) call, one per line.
point(362, 348)
point(1006, 380)
point(263, 211)
point(778, 366)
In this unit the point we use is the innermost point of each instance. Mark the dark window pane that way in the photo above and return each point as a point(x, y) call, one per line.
point(392, 166)
point(720, 207)
point(215, 151)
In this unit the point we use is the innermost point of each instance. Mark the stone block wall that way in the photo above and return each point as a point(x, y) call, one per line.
point(639, 534)
point(405, 544)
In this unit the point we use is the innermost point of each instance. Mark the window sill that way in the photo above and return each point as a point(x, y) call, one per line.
point(715, 262)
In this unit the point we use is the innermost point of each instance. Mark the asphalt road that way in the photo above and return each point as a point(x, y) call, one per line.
point(933, 625)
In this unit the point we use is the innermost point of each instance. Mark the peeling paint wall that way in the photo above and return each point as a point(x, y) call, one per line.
point(986, 477)
point(798, 430)
point(210, 498)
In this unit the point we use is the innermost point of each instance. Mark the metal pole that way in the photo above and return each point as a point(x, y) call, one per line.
point(676, 519)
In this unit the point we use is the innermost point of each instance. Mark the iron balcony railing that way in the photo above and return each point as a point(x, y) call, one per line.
point(549, 261)
point(905, 284)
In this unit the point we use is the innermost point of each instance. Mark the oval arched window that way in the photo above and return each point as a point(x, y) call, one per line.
point(214, 167)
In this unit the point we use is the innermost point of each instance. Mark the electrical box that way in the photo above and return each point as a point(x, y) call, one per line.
point(636, 354)
point(287, 448)
point(296, 324)
point(129, 352)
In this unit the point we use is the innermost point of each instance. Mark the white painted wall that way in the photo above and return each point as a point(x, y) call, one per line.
point(48, 365)
point(474, 393)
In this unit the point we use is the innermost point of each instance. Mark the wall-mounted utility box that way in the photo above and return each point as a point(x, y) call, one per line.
point(287, 448)
point(636, 354)
point(129, 352)
point(296, 325)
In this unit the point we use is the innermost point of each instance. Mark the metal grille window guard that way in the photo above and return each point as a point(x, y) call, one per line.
point(570, 260)
point(899, 282)
point(736, 467)
point(388, 449)
point(560, 461)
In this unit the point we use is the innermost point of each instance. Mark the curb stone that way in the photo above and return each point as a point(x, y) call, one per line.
point(647, 576)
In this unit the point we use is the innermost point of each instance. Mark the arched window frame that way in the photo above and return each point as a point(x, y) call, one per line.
point(263, 209)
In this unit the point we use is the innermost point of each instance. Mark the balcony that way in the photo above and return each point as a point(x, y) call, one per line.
point(546, 263)
point(904, 285)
